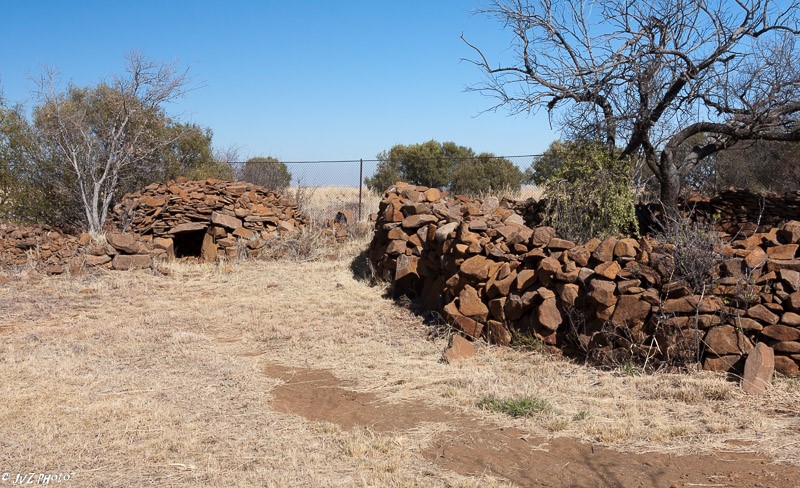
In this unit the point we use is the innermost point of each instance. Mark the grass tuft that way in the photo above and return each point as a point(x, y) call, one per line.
point(515, 407)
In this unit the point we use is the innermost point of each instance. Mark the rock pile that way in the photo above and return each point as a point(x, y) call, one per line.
point(40, 247)
point(207, 218)
point(743, 211)
point(492, 277)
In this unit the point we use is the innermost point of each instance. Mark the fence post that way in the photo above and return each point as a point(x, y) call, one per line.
point(360, 185)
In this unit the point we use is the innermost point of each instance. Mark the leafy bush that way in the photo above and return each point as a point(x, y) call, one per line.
point(589, 193)
point(267, 172)
point(430, 163)
point(445, 166)
point(486, 174)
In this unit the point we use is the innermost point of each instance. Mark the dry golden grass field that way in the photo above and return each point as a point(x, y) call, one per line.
point(321, 203)
point(292, 373)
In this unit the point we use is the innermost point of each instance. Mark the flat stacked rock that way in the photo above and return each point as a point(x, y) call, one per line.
point(744, 211)
point(230, 218)
point(492, 277)
point(37, 246)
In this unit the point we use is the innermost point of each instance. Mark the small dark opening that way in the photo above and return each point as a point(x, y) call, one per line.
point(189, 244)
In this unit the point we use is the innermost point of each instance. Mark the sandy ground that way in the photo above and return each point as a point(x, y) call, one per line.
point(292, 373)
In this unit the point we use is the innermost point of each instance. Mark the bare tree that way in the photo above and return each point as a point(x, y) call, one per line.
point(647, 75)
point(102, 131)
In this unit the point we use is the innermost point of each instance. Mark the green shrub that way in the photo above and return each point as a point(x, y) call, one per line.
point(445, 165)
point(515, 407)
point(486, 174)
point(589, 193)
point(267, 172)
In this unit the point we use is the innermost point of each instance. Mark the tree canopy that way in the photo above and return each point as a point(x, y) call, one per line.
point(444, 165)
point(647, 76)
point(268, 172)
point(84, 146)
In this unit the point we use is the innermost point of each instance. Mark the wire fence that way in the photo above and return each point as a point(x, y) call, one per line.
point(324, 188)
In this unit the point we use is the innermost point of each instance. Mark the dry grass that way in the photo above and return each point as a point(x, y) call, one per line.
point(126, 379)
point(321, 203)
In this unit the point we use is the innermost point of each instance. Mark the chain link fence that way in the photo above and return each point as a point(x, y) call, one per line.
point(324, 188)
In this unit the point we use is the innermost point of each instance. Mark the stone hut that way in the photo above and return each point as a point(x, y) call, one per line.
point(206, 218)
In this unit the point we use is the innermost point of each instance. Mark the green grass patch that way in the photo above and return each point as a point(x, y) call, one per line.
point(515, 407)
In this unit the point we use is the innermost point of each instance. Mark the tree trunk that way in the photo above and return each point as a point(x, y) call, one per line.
point(669, 180)
point(670, 187)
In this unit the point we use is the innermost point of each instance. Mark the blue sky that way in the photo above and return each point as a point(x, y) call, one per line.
point(300, 80)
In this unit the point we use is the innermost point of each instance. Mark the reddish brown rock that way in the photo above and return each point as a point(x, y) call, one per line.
point(758, 369)
point(725, 340)
point(443, 232)
point(406, 274)
point(630, 310)
point(787, 347)
point(724, 364)
point(459, 348)
point(626, 248)
point(497, 333)
point(692, 304)
point(786, 366)
point(786, 251)
point(188, 227)
point(602, 292)
point(525, 278)
point(416, 221)
point(495, 287)
point(497, 308)
point(97, 260)
point(476, 268)
point(432, 195)
point(791, 279)
point(781, 333)
point(396, 247)
point(560, 244)
point(762, 313)
point(542, 235)
point(548, 314)
point(223, 220)
point(546, 268)
point(790, 232)
point(568, 293)
point(244, 233)
point(608, 270)
point(208, 251)
point(794, 301)
point(580, 256)
point(125, 243)
point(131, 261)
point(790, 319)
point(470, 304)
point(605, 250)
point(397, 233)
point(755, 258)
point(166, 245)
point(745, 323)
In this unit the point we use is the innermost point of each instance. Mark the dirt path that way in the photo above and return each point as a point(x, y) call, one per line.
point(475, 447)
point(137, 379)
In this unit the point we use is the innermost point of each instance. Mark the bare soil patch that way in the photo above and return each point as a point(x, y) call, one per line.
point(130, 379)
point(475, 447)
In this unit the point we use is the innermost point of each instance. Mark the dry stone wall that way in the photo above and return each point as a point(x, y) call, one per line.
point(742, 211)
point(493, 277)
point(208, 218)
point(205, 219)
